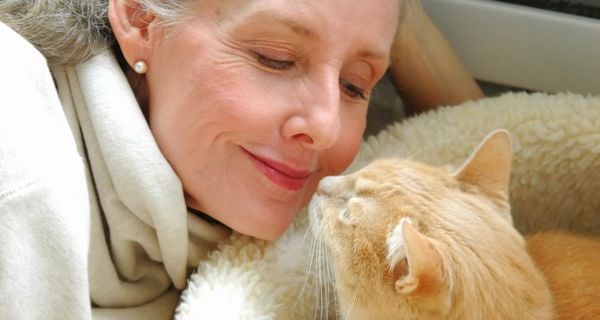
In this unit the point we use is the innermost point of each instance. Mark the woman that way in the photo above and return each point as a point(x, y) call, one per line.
point(120, 171)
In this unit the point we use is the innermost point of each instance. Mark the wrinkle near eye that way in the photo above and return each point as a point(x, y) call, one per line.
point(359, 72)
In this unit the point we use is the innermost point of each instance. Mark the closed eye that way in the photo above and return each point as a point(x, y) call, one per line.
point(275, 64)
point(352, 90)
point(352, 210)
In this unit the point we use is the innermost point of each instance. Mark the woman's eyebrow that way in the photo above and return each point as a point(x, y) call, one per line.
point(374, 54)
point(268, 17)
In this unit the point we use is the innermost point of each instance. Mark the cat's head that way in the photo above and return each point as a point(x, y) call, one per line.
point(396, 229)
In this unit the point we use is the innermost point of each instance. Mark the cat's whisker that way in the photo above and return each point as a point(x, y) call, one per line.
point(352, 303)
point(311, 257)
point(309, 232)
point(324, 278)
point(318, 284)
point(330, 279)
point(323, 301)
point(325, 283)
point(319, 251)
point(316, 266)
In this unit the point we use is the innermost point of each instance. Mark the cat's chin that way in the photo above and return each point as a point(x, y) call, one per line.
point(354, 312)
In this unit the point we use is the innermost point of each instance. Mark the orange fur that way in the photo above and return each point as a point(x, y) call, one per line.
point(411, 241)
point(571, 265)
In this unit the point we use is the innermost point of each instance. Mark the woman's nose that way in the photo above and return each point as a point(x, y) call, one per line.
point(316, 122)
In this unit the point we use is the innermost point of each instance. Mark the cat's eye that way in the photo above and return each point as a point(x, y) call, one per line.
point(345, 217)
point(351, 212)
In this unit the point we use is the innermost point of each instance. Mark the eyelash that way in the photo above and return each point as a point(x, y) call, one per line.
point(350, 89)
point(280, 65)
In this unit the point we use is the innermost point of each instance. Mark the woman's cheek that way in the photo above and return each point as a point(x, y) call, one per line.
point(342, 155)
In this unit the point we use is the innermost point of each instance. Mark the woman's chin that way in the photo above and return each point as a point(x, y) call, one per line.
point(265, 229)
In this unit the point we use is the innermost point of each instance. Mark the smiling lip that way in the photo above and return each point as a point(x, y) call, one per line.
point(279, 173)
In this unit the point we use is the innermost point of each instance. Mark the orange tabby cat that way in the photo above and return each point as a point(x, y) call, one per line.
point(410, 241)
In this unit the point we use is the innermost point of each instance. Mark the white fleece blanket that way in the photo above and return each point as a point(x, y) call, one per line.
point(555, 184)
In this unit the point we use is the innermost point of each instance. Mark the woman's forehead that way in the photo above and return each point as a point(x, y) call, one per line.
point(373, 20)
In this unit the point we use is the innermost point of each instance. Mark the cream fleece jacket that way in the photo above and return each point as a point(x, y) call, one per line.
point(93, 221)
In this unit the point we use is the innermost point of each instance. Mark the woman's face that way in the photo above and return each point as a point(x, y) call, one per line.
point(253, 102)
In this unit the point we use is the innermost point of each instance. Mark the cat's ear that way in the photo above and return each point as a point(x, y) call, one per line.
point(416, 264)
point(489, 165)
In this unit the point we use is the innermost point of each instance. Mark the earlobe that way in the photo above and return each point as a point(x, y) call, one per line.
point(130, 23)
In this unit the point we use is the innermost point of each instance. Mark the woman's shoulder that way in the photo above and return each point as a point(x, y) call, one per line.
point(18, 49)
point(35, 139)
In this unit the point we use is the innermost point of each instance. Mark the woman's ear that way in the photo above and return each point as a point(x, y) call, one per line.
point(130, 23)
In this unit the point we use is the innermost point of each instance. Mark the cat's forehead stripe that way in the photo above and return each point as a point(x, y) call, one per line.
point(410, 180)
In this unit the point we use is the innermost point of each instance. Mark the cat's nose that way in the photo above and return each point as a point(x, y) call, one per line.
point(328, 184)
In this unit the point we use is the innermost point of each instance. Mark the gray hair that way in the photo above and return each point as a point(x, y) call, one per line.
point(71, 31)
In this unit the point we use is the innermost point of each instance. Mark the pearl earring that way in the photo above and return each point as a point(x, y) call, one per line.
point(140, 67)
